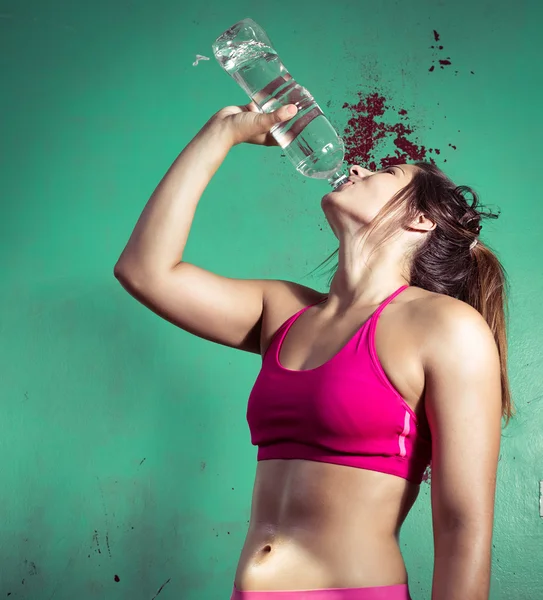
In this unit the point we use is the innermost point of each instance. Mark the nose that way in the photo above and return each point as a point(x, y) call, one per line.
point(359, 171)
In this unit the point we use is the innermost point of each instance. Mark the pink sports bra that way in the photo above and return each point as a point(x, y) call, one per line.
point(345, 411)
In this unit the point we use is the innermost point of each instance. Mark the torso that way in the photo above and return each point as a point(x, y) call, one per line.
point(318, 525)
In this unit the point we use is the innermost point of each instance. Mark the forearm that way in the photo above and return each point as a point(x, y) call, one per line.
point(161, 233)
point(462, 566)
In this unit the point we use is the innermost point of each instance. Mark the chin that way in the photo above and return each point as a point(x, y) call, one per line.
point(331, 198)
point(343, 213)
point(337, 201)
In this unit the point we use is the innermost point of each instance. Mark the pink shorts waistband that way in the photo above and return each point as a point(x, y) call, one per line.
point(386, 592)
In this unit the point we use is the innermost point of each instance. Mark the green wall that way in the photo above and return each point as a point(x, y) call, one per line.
point(124, 448)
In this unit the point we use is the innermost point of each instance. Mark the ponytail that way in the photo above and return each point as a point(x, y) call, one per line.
point(486, 290)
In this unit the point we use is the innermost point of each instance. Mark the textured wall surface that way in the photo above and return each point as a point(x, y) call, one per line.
point(126, 466)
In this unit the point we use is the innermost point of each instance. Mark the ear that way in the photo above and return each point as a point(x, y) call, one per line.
point(422, 223)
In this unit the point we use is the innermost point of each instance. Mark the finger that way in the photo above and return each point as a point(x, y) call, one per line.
point(285, 113)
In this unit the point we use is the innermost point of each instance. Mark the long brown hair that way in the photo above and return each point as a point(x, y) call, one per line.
point(452, 260)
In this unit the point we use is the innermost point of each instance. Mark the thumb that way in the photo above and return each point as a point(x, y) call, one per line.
point(285, 113)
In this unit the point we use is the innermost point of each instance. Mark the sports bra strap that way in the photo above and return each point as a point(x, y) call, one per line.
point(388, 301)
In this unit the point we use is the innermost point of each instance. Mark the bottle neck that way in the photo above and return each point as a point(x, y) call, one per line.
point(337, 179)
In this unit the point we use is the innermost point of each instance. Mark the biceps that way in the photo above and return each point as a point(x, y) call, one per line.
point(222, 310)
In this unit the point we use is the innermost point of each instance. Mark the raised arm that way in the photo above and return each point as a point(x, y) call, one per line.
point(151, 267)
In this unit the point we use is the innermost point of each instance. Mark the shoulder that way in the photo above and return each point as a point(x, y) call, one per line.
point(438, 315)
point(282, 299)
point(281, 295)
point(450, 331)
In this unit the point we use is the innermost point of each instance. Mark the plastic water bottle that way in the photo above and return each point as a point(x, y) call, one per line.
point(310, 142)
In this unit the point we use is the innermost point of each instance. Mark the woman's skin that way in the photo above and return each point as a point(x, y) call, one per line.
point(318, 525)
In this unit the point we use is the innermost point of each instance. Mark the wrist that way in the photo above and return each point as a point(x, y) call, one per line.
point(218, 130)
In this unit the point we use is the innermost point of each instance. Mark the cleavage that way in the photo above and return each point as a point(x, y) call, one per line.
point(311, 342)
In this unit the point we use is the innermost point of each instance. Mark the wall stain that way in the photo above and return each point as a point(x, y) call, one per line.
point(105, 516)
point(427, 476)
point(96, 541)
point(31, 566)
point(161, 588)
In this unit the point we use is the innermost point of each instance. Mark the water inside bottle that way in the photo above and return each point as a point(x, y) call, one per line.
point(233, 55)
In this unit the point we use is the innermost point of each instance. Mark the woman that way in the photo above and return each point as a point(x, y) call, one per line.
point(360, 387)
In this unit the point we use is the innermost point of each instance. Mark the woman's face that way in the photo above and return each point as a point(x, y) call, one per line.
point(358, 201)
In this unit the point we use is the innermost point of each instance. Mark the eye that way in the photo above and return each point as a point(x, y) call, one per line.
point(391, 171)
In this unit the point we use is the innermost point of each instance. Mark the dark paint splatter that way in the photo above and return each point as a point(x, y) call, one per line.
point(367, 130)
point(444, 62)
point(116, 578)
point(143, 461)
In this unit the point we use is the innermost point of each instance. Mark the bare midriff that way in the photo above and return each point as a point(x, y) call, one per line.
point(319, 525)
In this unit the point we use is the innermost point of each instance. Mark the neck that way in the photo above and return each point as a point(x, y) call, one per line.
point(364, 278)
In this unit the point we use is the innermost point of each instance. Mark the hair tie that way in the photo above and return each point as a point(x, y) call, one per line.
point(473, 244)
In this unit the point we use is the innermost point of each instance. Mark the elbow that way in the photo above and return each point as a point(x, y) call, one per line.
point(138, 276)
point(126, 275)
point(119, 271)
point(136, 279)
